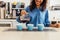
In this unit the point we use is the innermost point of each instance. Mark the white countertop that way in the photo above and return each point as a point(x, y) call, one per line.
point(29, 35)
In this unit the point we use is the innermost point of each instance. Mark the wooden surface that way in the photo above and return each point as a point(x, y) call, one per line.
point(13, 34)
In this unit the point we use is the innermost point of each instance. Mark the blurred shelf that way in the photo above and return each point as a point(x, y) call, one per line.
point(17, 8)
point(7, 20)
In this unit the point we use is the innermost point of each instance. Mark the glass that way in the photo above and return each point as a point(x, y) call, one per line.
point(25, 18)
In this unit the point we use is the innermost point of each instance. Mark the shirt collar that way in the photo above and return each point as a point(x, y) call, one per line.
point(39, 8)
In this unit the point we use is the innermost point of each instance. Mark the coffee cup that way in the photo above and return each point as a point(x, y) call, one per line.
point(40, 27)
point(30, 27)
point(19, 26)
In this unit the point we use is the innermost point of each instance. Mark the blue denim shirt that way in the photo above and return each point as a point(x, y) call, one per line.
point(38, 17)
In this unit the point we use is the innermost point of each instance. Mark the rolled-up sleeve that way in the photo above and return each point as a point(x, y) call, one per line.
point(18, 19)
point(27, 9)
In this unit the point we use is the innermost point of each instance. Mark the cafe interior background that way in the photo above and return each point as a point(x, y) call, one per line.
point(9, 12)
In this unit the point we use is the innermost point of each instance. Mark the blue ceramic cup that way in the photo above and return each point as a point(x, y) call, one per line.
point(30, 27)
point(40, 27)
point(19, 27)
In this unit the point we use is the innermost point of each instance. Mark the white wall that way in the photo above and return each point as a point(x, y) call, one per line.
point(54, 2)
point(55, 14)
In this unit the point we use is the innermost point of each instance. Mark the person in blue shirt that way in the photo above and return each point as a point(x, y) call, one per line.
point(37, 12)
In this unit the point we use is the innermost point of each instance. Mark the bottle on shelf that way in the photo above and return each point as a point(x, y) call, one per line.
point(14, 13)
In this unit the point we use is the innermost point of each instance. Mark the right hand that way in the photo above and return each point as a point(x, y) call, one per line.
point(23, 13)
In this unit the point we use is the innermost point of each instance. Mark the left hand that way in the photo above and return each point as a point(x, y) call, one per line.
point(58, 25)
